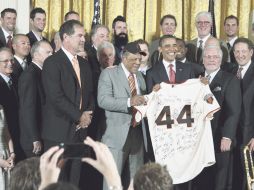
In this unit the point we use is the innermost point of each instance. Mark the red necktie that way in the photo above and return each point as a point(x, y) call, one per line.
point(172, 74)
point(133, 90)
point(9, 42)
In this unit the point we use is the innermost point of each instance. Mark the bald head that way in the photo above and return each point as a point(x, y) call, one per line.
point(212, 42)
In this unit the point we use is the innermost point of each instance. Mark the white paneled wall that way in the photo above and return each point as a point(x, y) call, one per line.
point(23, 9)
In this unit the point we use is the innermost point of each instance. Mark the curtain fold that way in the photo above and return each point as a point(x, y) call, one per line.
point(143, 16)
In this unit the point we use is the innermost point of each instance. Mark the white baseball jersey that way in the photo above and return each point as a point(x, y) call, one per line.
point(179, 123)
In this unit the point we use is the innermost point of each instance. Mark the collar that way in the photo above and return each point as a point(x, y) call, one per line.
point(39, 38)
point(212, 74)
point(203, 39)
point(68, 54)
point(232, 41)
point(94, 47)
point(6, 34)
point(5, 77)
point(184, 60)
point(126, 72)
point(20, 60)
point(37, 64)
point(166, 63)
point(246, 66)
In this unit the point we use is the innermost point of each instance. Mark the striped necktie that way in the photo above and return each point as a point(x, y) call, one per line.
point(239, 73)
point(133, 90)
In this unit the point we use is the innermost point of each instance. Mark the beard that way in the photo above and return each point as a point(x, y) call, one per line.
point(120, 40)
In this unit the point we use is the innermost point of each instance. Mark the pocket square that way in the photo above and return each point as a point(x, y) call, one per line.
point(218, 88)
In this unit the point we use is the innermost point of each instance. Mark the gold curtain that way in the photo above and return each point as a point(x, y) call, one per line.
point(143, 16)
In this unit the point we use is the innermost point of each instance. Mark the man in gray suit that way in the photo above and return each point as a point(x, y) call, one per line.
point(120, 88)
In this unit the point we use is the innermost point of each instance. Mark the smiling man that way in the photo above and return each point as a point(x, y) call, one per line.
point(120, 88)
point(9, 99)
point(168, 70)
point(195, 47)
point(8, 21)
point(69, 101)
point(21, 47)
point(168, 27)
point(224, 125)
point(231, 27)
point(38, 23)
point(245, 73)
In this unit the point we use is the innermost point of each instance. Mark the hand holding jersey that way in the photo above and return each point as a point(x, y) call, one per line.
point(179, 127)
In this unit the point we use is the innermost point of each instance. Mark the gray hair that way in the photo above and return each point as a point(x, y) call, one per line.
point(36, 46)
point(96, 27)
point(104, 45)
point(204, 13)
point(213, 47)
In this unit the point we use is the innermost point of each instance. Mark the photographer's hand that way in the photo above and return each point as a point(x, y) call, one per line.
point(48, 166)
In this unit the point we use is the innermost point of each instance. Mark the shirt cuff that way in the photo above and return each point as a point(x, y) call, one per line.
point(226, 138)
point(129, 102)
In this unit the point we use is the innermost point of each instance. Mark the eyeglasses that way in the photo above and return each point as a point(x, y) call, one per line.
point(7, 60)
point(205, 23)
point(212, 57)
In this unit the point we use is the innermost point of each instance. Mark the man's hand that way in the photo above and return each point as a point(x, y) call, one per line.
point(225, 144)
point(204, 80)
point(137, 100)
point(85, 119)
point(156, 87)
point(251, 144)
point(37, 147)
point(104, 162)
point(48, 166)
point(5, 164)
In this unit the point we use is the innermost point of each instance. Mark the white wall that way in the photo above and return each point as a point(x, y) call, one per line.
point(23, 9)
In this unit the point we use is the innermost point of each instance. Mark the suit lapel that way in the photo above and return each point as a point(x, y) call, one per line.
point(4, 83)
point(123, 80)
point(248, 77)
point(216, 80)
point(2, 37)
point(17, 65)
point(38, 75)
point(161, 71)
point(68, 63)
point(141, 82)
point(179, 71)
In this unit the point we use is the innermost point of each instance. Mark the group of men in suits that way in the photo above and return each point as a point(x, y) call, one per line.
point(54, 97)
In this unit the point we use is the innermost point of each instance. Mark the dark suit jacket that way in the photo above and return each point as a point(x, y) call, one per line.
point(226, 89)
point(17, 69)
point(94, 64)
point(197, 69)
point(229, 66)
point(158, 74)
point(9, 101)
point(2, 38)
point(191, 54)
point(98, 124)
point(32, 38)
point(31, 98)
point(63, 95)
point(247, 120)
